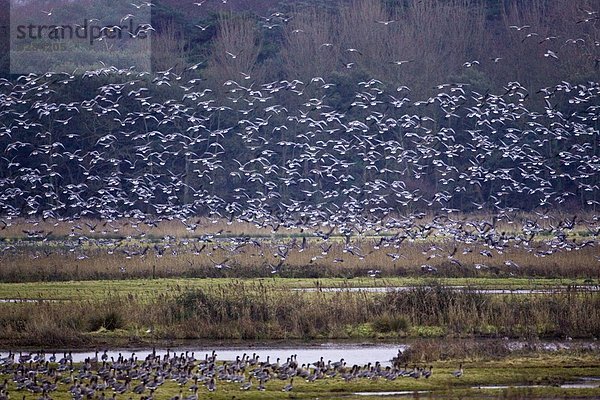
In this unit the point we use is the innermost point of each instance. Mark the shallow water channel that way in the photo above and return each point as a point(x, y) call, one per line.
point(352, 353)
point(386, 289)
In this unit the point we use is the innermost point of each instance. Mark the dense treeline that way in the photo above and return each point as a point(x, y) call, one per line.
point(438, 37)
point(508, 38)
point(361, 105)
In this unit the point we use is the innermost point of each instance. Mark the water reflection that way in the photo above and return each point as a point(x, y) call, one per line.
point(570, 385)
point(353, 353)
point(360, 354)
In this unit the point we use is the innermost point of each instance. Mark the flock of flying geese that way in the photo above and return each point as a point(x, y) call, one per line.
point(291, 155)
point(103, 377)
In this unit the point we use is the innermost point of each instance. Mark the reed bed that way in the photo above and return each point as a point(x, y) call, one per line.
point(240, 311)
point(59, 261)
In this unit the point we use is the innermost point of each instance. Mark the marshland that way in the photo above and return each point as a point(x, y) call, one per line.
point(319, 199)
point(517, 334)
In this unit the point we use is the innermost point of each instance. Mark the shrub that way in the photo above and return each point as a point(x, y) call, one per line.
point(390, 323)
point(109, 320)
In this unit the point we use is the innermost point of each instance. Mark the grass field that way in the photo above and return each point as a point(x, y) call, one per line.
point(92, 312)
point(151, 288)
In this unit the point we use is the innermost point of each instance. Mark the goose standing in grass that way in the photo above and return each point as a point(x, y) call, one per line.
point(338, 364)
point(416, 373)
point(427, 373)
point(459, 372)
point(261, 385)
point(289, 386)
point(212, 386)
point(139, 389)
point(193, 396)
point(247, 385)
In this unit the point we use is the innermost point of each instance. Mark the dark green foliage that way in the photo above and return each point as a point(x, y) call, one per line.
point(109, 320)
point(390, 323)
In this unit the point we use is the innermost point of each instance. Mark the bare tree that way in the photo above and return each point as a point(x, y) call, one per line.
point(367, 35)
point(443, 36)
point(310, 46)
point(547, 40)
point(417, 45)
point(235, 52)
point(168, 48)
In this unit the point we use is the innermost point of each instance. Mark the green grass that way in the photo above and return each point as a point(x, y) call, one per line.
point(150, 288)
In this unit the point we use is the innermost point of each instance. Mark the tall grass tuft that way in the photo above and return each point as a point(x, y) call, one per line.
point(241, 310)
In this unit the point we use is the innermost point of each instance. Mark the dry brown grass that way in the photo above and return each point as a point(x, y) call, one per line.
point(131, 228)
point(88, 249)
point(97, 260)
